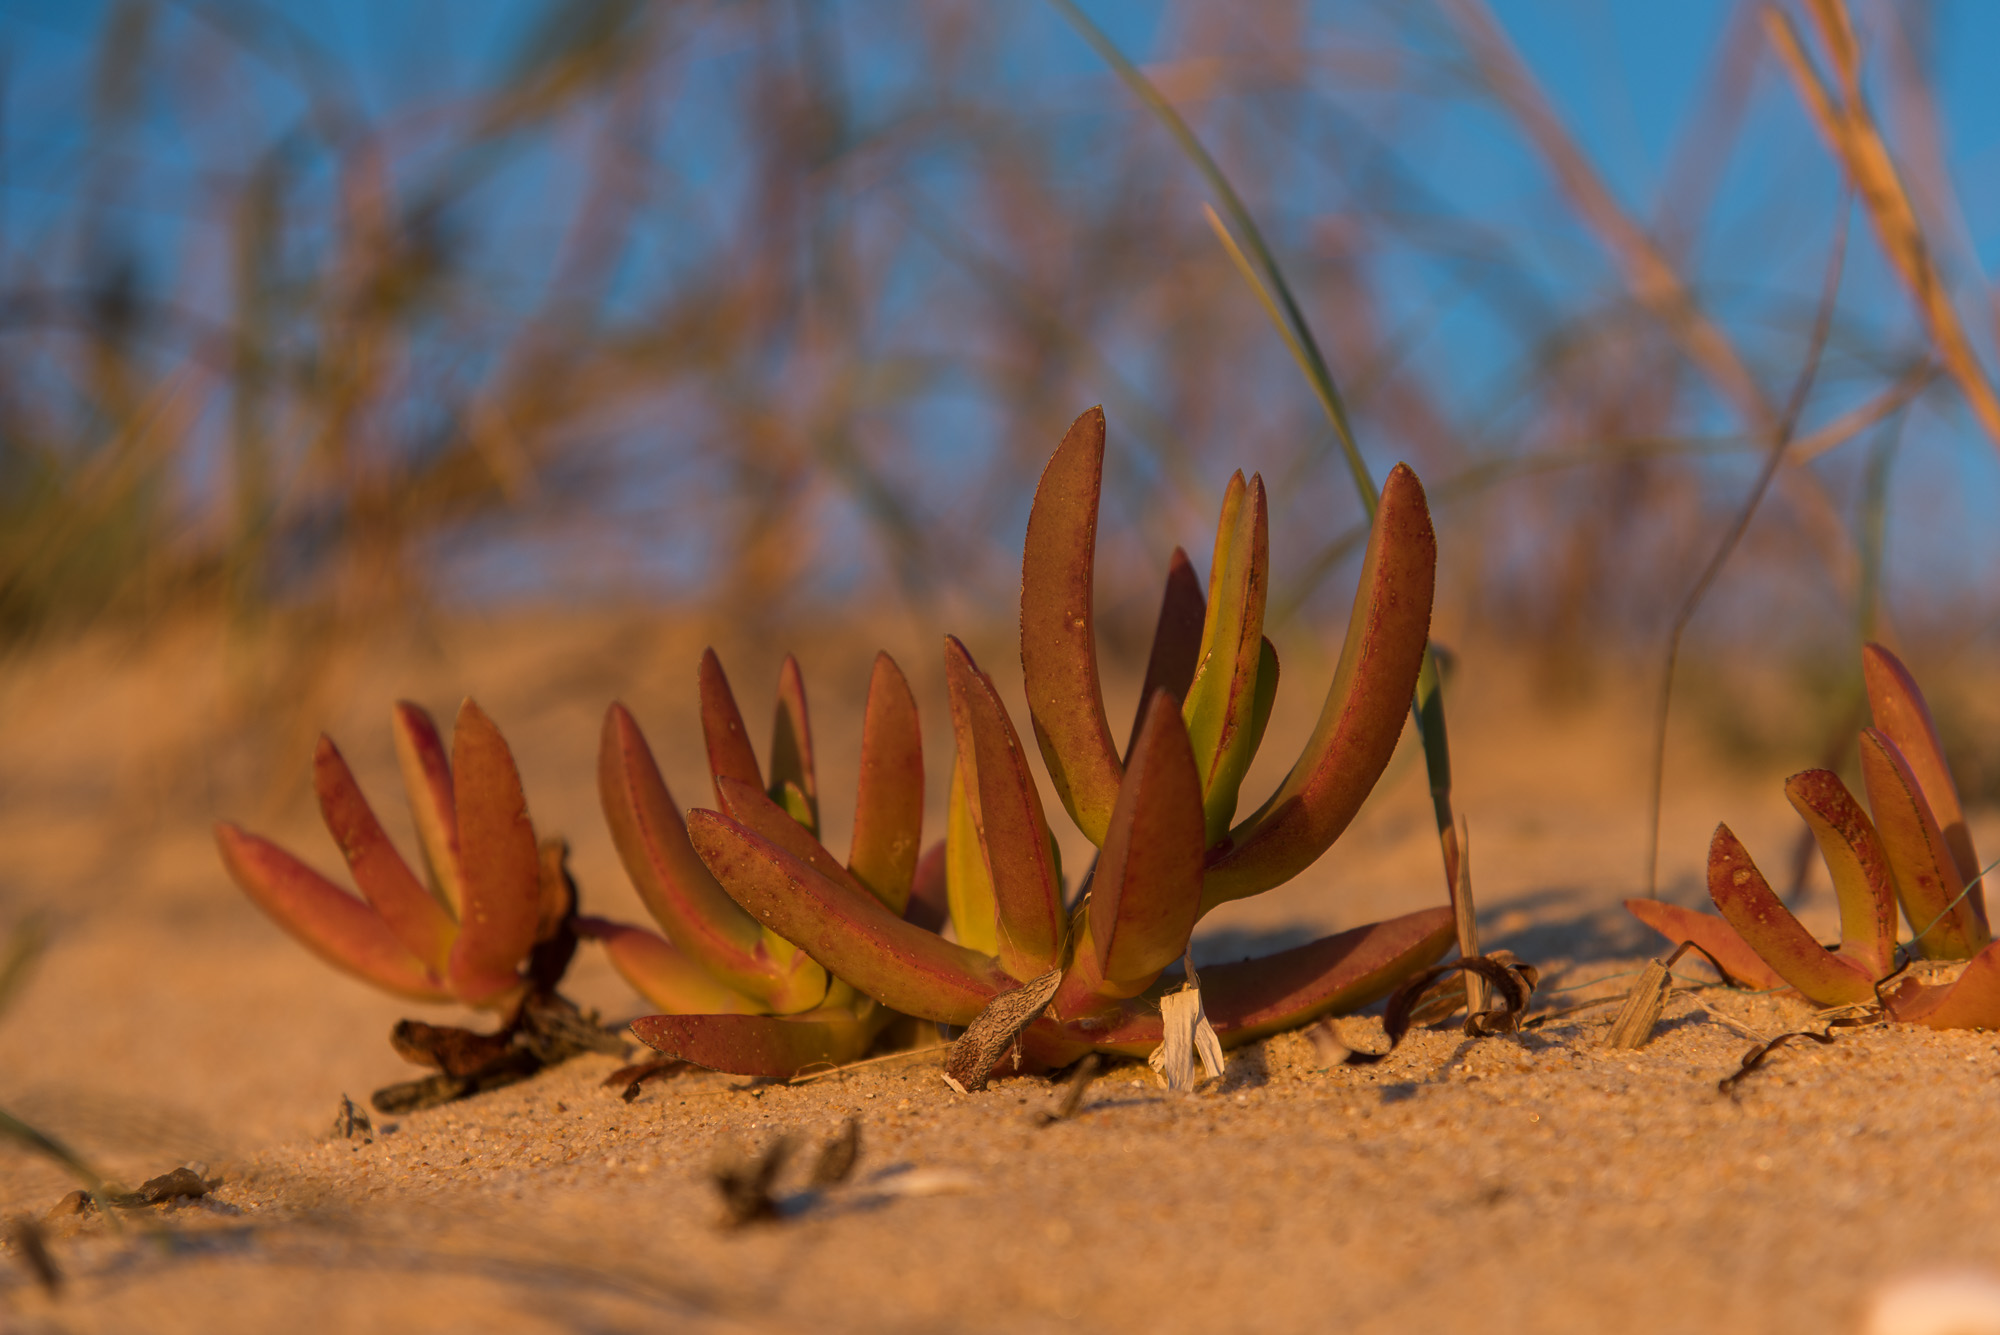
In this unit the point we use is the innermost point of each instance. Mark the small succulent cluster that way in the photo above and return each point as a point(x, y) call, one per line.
point(774, 955)
point(1915, 852)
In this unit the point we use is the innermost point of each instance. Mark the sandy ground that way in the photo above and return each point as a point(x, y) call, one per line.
point(1542, 1180)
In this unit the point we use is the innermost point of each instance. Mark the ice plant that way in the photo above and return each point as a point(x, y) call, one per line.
point(465, 934)
point(1162, 811)
point(1915, 851)
point(738, 996)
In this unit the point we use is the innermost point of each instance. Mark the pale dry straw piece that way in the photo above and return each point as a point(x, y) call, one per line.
point(1186, 1032)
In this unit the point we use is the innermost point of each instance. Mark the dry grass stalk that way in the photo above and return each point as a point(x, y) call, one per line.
point(1641, 1012)
point(1851, 134)
point(1468, 920)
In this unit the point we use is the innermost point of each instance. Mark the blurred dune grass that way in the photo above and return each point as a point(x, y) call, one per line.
point(322, 325)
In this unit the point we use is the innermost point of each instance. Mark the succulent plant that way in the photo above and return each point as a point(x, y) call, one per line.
point(1916, 851)
point(1161, 812)
point(466, 933)
point(737, 995)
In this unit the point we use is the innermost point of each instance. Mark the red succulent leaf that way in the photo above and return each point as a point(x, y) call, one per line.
point(322, 917)
point(889, 795)
point(427, 780)
point(930, 896)
point(1058, 637)
point(1176, 639)
point(1971, 1001)
point(1927, 878)
point(1713, 936)
point(853, 936)
point(1146, 894)
point(501, 860)
point(722, 731)
point(1904, 717)
point(770, 1047)
point(391, 889)
point(1746, 901)
point(1854, 856)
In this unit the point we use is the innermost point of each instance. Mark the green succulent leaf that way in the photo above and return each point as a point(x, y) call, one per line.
point(501, 860)
point(968, 881)
point(391, 889)
point(1221, 701)
point(1058, 637)
point(1364, 711)
point(857, 940)
point(1027, 889)
point(1747, 903)
point(1859, 865)
point(889, 795)
point(323, 918)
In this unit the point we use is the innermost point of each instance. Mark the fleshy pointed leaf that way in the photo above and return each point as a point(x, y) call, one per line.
point(1334, 975)
point(1364, 712)
point(853, 936)
point(323, 918)
point(1027, 892)
point(792, 748)
point(930, 893)
point(1854, 856)
point(1902, 714)
point(1716, 938)
point(722, 731)
point(662, 975)
point(1927, 879)
point(1221, 702)
point(386, 882)
point(1970, 1001)
point(427, 780)
point(1745, 899)
point(968, 882)
point(1176, 639)
point(752, 809)
point(699, 916)
point(889, 795)
point(1147, 892)
point(501, 860)
point(1266, 696)
point(759, 1045)
point(1058, 635)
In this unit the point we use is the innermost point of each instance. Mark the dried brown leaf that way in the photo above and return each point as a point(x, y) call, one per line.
point(979, 1048)
point(350, 1123)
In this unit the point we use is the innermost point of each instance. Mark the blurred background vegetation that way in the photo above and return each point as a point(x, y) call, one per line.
point(367, 312)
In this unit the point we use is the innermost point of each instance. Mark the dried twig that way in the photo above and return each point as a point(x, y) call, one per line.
point(1073, 1091)
point(1515, 983)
